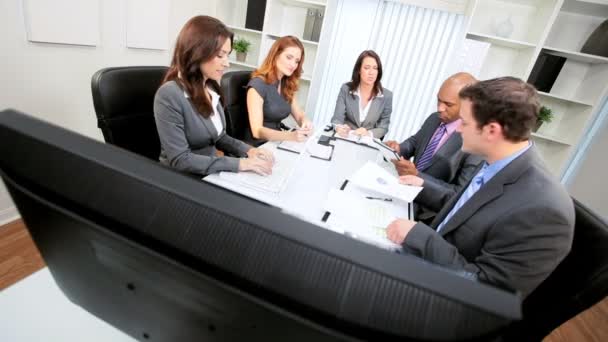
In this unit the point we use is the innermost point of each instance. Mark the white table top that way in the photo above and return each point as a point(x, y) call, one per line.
point(306, 191)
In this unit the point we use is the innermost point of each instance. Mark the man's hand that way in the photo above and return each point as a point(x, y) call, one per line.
point(405, 167)
point(394, 145)
point(411, 180)
point(397, 230)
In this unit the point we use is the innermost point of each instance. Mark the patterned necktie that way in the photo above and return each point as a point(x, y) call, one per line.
point(425, 160)
point(475, 184)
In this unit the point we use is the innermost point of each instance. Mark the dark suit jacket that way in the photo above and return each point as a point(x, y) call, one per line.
point(513, 232)
point(378, 117)
point(449, 170)
point(188, 140)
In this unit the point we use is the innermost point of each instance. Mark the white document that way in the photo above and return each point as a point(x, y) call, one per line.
point(377, 180)
point(361, 139)
point(293, 146)
point(273, 183)
point(320, 151)
point(359, 217)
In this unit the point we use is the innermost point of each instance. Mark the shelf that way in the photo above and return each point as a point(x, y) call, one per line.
point(576, 56)
point(243, 64)
point(593, 8)
point(305, 3)
point(561, 98)
point(510, 43)
point(242, 29)
point(305, 42)
point(552, 139)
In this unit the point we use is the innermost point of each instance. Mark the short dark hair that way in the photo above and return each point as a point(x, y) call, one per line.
point(356, 77)
point(508, 101)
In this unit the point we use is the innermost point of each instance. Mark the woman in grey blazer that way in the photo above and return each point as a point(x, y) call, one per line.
point(364, 106)
point(189, 110)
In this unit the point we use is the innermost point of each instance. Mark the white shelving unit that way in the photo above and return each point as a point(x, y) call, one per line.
point(554, 27)
point(281, 18)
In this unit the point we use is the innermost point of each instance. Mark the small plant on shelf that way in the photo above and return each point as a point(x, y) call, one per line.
point(545, 114)
point(241, 46)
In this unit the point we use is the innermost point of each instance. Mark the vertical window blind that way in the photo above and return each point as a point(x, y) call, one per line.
point(415, 45)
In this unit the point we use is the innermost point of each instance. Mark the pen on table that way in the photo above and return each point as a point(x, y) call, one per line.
point(379, 198)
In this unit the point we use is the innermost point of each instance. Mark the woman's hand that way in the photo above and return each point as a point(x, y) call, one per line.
point(261, 153)
point(299, 134)
point(257, 165)
point(361, 131)
point(306, 124)
point(342, 130)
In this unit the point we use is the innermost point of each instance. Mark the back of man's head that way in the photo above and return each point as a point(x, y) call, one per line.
point(508, 101)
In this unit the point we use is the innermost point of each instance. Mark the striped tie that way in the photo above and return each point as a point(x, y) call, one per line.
point(425, 160)
point(475, 184)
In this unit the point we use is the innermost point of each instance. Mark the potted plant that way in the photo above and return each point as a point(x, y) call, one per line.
point(241, 46)
point(544, 115)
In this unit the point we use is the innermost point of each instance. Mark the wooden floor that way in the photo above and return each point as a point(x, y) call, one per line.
point(19, 258)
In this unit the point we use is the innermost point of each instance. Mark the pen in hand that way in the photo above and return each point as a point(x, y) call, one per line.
point(379, 198)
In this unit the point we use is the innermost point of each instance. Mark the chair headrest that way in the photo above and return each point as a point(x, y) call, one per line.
point(125, 91)
point(233, 86)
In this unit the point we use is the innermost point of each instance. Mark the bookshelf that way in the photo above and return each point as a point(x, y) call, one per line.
point(521, 34)
point(281, 18)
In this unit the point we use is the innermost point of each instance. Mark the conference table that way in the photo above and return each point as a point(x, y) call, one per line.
point(306, 190)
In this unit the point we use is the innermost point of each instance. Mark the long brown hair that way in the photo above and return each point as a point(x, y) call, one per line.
point(268, 70)
point(199, 41)
point(356, 77)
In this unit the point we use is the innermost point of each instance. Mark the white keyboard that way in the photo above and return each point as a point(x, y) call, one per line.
point(274, 183)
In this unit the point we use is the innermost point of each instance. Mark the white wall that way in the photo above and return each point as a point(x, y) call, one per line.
point(589, 184)
point(53, 81)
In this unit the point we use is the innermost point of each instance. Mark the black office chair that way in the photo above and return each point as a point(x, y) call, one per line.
point(123, 98)
point(234, 89)
point(579, 282)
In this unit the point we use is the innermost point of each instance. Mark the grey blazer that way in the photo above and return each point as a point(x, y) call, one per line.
point(513, 232)
point(450, 169)
point(188, 140)
point(378, 117)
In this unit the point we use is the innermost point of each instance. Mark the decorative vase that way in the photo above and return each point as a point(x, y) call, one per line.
point(504, 28)
point(537, 126)
point(241, 56)
point(597, 43)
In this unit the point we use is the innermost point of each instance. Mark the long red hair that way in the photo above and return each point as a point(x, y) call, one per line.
point(268, 70)
point(199, 41)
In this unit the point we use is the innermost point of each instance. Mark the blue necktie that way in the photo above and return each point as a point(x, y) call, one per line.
point(475, 184)
point(425, 160)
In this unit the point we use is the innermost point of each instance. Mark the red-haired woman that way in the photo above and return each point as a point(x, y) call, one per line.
point(271, 96)
point(188, 107)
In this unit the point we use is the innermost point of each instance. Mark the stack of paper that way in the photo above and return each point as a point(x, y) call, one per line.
point(377, 180)
point(357, 216)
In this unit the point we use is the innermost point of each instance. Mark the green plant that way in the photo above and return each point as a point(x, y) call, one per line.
point(545, 114)
point(241, 45)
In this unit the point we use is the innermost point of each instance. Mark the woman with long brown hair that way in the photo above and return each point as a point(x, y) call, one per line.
point(271, 96)
point(188, 107)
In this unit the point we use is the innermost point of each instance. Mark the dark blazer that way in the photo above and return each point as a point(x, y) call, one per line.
point(378, 117)
point(188, 140)
point(449, 170)
point(513, 232)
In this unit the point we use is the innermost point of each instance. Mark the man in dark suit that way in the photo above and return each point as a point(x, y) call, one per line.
point(436, 148)
point(513, 223)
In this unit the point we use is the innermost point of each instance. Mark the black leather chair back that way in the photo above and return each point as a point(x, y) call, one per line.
point(579, 282)
point(234, 89)
point(124, 98)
